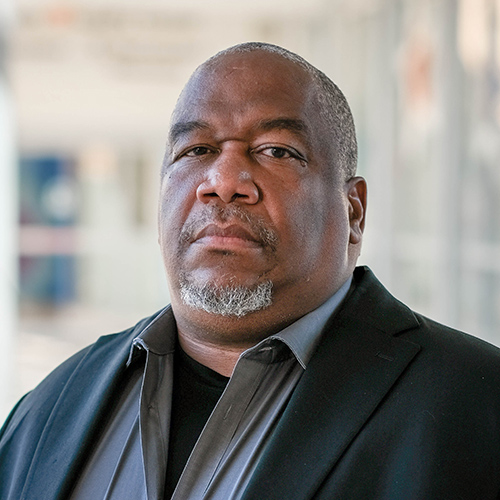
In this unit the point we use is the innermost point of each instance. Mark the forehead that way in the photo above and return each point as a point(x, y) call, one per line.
point(265, 83)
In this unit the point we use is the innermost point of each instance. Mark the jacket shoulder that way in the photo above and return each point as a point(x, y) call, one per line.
point(463, 358)
point(109, 347)
point(43, 397)
point(89, 374)
point(373, 304)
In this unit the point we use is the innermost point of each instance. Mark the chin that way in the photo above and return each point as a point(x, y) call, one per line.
point(226, 299)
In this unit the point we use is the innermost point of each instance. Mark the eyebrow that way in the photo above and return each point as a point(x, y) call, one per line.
point(294, 125)
point(180, 129)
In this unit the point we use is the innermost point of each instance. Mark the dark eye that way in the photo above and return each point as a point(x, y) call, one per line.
point(198, 151)
point(281, 153)
point(278, 153)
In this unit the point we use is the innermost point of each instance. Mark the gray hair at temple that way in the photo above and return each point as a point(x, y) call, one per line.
point(333, 105)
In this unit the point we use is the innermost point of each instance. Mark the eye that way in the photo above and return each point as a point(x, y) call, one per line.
point(198, 151)
point(281, 153)
point(276, 152)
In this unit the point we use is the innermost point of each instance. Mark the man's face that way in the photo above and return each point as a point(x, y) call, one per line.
point(250, 195)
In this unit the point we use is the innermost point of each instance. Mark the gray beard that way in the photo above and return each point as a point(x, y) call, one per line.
point(229, 300)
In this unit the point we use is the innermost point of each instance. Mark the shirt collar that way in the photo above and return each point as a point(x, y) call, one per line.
point(303, 335)
point(157, 336)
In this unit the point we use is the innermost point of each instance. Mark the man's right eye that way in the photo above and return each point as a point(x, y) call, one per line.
point(198, 151)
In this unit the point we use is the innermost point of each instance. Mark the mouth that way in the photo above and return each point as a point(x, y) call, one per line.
point(227, 229)
point(231, 237)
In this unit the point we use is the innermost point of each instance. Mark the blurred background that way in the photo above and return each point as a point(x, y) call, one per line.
point(86, 91)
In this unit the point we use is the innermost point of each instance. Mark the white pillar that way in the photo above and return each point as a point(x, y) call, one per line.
point(449, 160)
point(8, 222)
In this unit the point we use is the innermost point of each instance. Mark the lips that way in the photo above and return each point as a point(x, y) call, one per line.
point(231, 235)
point(218, 227)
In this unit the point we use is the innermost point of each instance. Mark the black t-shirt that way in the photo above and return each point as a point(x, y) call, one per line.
point(196, 390)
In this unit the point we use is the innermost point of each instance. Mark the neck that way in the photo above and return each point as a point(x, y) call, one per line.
point(217, 341)
point(219, 358)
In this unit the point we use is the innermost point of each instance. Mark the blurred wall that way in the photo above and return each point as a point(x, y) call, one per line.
point(93, 85)
point(8, 215)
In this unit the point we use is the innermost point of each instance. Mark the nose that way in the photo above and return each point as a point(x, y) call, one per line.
point(229, 179)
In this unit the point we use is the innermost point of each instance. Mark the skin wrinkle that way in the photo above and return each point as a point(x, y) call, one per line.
point(234, 68)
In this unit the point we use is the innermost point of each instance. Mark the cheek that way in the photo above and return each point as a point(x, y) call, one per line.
point(301, 224)
point(316, 230)
point(177, 195)
point(177, 190)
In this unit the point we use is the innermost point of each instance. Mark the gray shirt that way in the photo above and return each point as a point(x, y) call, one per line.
point(129, 459)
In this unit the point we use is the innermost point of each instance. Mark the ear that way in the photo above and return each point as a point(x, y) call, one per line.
point(356, 196)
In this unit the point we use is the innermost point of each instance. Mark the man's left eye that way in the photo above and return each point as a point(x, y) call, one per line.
point(278, 153)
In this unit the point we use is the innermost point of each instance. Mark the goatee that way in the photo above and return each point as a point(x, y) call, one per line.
point(226, 300)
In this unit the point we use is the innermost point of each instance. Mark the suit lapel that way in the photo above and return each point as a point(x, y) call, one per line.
point(72, 421)
point(354, 367)
point(67, 436)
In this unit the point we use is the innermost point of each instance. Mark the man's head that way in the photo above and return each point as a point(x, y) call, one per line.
point(260, 213)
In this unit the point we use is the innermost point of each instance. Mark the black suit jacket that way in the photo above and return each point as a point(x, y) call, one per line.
point(392, 406)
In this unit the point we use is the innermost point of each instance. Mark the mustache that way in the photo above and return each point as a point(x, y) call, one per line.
point(213, 214)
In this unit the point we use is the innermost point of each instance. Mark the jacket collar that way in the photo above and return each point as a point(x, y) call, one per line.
point(359, 359)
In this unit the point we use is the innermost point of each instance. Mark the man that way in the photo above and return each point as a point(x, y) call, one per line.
point(280, 371)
